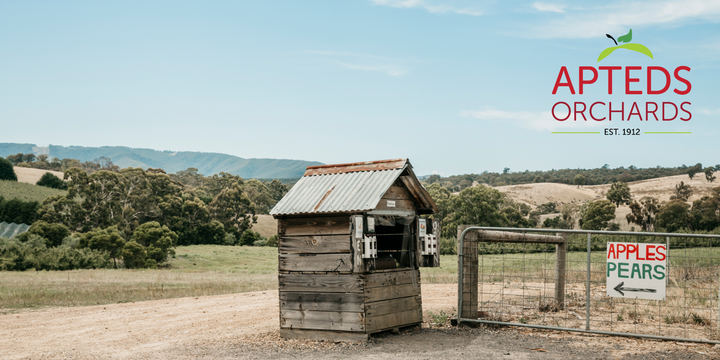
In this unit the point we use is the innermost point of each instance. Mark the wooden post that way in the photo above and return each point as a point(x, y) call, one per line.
point(357, 247)
point(560, 263)
point(436, 232)
point(470, 274)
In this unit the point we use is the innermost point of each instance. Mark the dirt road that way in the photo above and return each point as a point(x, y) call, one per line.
point(245, 326)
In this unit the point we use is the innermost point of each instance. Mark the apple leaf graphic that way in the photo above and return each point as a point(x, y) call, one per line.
point(625, 38)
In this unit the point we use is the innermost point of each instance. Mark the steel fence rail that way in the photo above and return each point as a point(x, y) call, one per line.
point(588, 290)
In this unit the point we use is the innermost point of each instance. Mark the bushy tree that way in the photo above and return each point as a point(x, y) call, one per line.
point(249, 238)
point(52, 233)
point(6, 170)
point(597, 215)
point(682, 192)
point(260, 195)
point(709, 176)
point(233, 209)
point(644, 213)
point(619, 194)
point(673, 216)
point(547, 208)
point(272, 241)
point(691, 171)
point(109, 240)
point(15, 159)
point(18, 211)
point(442, 198)
point(157, 239)
point(51, 181)
point(705, 213)
point(134, 255)
point(580, 180)
point(477, 205)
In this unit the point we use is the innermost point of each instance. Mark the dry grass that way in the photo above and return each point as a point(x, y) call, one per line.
point(521, 286)
point(31, 176)
point(266, 226)
point(660, 188)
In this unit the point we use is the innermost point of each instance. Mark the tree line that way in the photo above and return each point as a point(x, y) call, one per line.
point(485, 206)
point(603, 175)
point(134, 218)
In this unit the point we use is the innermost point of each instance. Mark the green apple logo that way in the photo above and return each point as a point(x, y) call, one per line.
point(624, 39)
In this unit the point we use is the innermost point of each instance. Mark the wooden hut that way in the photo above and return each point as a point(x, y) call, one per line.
point(351, 240)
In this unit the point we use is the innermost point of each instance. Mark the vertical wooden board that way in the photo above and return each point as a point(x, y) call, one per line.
point(391, 292)
point(314, 244)
point(392, 306)
point(394, 320)
point(391, 278)
point(323, 335)
point(325, 283)
point(322, 320)
point(335, 225)
point(322, 301)
point(318, 262)
point(357, 247)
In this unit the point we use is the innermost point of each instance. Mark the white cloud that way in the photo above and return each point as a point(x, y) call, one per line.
point(542, 6)
point(617, 18)
point(710, 112)
point(365, 62)
point(428, 6)
point(533, 120)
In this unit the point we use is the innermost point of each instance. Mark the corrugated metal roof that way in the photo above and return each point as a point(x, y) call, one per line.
point(337, 192)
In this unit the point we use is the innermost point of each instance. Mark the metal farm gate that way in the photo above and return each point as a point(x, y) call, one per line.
point(557, 281)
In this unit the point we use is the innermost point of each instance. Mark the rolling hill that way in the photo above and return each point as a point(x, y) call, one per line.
point(171, 162)
point(661, 188)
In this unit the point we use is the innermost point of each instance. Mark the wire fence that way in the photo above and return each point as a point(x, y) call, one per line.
point(516, 284)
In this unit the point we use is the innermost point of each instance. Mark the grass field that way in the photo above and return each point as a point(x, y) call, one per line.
point(26, 192)
point(212, 270)
point(195, 271)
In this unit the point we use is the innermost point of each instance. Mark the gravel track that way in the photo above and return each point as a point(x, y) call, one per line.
point(245, 326)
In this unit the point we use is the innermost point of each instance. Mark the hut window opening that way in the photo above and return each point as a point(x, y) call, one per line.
point(394, 241)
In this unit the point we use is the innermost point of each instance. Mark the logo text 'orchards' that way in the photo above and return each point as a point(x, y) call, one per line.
point(652, 80)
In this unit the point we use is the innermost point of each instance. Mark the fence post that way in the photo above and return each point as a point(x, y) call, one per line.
point(667, 261)
point(560, 261)
point(469, 296)
point(587, 289)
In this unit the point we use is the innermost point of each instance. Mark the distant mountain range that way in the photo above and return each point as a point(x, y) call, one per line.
point(171, 162)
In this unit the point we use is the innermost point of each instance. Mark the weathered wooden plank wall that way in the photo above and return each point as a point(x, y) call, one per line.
point(392, 299)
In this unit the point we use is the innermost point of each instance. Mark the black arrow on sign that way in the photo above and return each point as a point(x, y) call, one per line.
point(620, 289)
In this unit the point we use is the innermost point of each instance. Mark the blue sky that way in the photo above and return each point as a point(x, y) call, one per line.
point(456, 86)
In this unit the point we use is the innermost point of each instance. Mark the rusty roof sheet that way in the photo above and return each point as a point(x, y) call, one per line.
point(354, 167)
point(357, 190)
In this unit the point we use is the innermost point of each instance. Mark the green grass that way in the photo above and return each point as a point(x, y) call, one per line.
point(196, 271)
point(26, 192)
